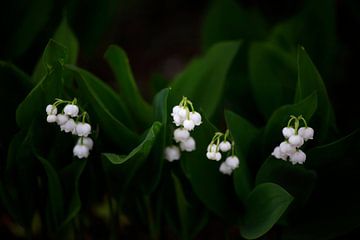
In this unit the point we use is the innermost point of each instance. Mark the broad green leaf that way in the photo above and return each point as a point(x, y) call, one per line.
point(212, 187)
point(45, 90)
point(326, 155)
point(110, 111)
point(295, 179)
point(272, 75)
point(226, 20)
point(203, 80)
point(244, 134)
point(309, 80)
point(119, 63)
point(278, 120)
point(66, 38)
point(182, 207)
point(121, 169)
point(263, 208)
point(55, 208)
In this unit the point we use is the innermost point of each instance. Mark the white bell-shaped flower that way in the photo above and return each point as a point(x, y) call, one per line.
point(62, 119)
point(212, 148)
point(225, 169)
point(298, 157)
point(69, 126)
point(181, 134)
point(71, 110)
point(279, 154)
point(51, 118)
point(88, 142)
point(172, 153)
point(51, 109)
point(210, 155)
point(288, 132)
point(287, 148)
point(81, 151)
point(188, 124)
point(225, 146)
point(217, 156)
point(196, 118)
point(306, 133)
point(188, 145)
point(296, 141)
point(83, 129)
point(232, 162)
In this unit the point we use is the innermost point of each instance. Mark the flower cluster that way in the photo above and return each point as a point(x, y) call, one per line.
point(70, 121)
point(218, 144)
point(186, 119)
point(294, 139)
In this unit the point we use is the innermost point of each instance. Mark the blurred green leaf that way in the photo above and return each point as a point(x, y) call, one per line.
point(309, 80)
point(204, 78)
point(109, 109)
point(295, 179)
point(119, 63)
point(244, 134)
point(227, 20)
point(263, 208)
point(278, 120)
point(272, 75)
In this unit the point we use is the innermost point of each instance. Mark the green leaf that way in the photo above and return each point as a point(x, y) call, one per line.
point(203, 80)
point(122, 168)
point(109, 109)
point(263, 208)
point(244, 135)
point(309, 80)
point(278, 120)
point(119, 63)
point(273, 76)
point(227, 20)
point(212, 187)
point(67, 39)
point(297, 180)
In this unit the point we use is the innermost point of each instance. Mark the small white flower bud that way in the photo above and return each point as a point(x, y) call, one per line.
point(51, 109)
point(225, 146)
point(61, 119)
point(287, 148)
point(182, 112)
point(279, 154)
point(211, 155)
point(175, 110)
point(232, 162)
point(288, 132)
point(225, 169)
point(298, 157)
point(296, 141)
point(189, 124)
point(196, 118)
point(181, 134)
point(71, 110)
point(177, 120)
point(69, 126)
point(188, 145)
point(217, 156)
point(51, 118)
point(306, 132)
point(211, 148)
point(83, 129)
point(88, 142)
point(81, 151)
point(172, 153)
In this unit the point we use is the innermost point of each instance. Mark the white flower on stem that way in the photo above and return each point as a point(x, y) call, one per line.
point(51, 109)
point(279, 154)
point(188, 124)
point(287, 148)
point(296, 141)
point(172, 153)
point(51, 118)
point(188, 145)
point(225, 169)
point(288, 132)
point(69, 126)
point(83, 129)
point(181, 134)
point(225, 146)
point(71, 110)
point(182, 113)
point(211, 155)
point(232, 162)
point(88, 142)
point(81, 151)
point(298, 157)
point(212, 148)
point(196, 118)
point(306, 133)
point(177, 120)
point(61, 119)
